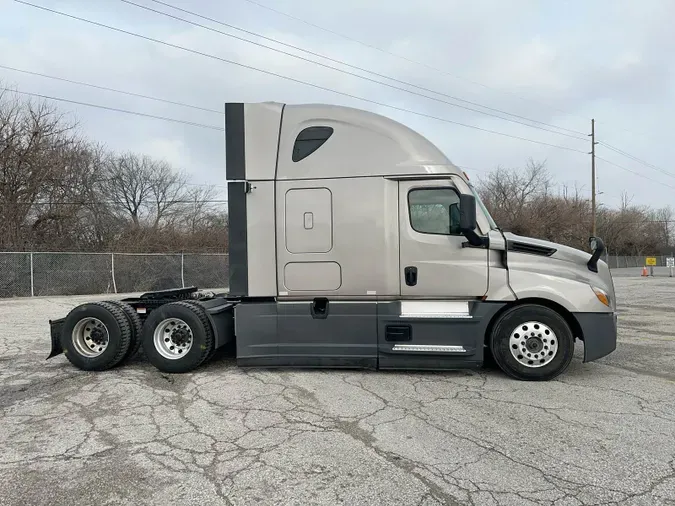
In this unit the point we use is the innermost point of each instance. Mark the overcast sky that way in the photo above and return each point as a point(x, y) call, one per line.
point(559, 63)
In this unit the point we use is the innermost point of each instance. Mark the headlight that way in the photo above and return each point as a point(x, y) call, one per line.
point(602, 296)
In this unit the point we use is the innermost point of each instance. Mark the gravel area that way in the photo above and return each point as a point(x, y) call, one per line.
point(603, 433)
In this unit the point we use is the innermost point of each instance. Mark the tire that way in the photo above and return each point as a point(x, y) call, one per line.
point(202, 310)
point(184, 337)
point(95, 323)
point(136, 327)
point(543, 349)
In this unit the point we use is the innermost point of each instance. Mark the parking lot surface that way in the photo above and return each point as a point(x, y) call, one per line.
point(603, 433)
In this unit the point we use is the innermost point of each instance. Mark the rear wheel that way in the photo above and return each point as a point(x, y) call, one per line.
point(202, 311)
point(532, 342)
point(136, 327)
point(177, 337)
point(96, 336)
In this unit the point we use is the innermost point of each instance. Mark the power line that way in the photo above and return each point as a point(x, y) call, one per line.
point(112, 202)
point(635, 158)
point(634, 172)
point(617, 220)
point(473, 169)
point(560, 185)
point(409, 60)
point(641, 222)
point(105, 88)
point(111, 179)
point(436, 69)
point(98, 106)
point(115, 109)
point(206, 184)
point(292, 79)
point(341, 62)
point(632, 132)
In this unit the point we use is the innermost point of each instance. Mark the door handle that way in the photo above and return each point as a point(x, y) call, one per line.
point(410, 274)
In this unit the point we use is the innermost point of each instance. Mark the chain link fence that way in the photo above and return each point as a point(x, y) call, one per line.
point(25, 274)
point(624, 262)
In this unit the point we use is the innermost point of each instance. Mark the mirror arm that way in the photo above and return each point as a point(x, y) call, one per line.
point(475, 241)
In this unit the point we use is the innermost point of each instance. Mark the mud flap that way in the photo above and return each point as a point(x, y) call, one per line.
point(55, 331)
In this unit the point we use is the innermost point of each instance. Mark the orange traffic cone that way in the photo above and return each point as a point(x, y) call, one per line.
point(644, 271)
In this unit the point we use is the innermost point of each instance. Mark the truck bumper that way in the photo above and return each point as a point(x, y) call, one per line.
point(599, 332)
point(55, 331)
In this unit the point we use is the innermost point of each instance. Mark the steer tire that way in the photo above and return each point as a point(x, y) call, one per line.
point(136, 327)
point(543, 349)
point(196, 323)
point(112, 323)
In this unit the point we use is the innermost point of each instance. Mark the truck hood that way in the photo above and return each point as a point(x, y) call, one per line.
point(574, 259)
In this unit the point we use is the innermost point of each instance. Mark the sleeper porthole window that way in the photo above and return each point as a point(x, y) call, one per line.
point(309, 140)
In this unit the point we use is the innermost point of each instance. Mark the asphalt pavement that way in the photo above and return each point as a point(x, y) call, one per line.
point(603, 433)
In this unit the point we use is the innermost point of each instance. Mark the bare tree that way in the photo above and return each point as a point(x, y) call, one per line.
point(34, 137)
point(200, 209)
point(126, 184)
point(663, 218)
point(507, 193)
point(147, 191)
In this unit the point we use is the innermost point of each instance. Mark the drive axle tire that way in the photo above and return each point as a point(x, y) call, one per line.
point(202, 311)
point(177, 337)
point(532, 343)
point(136, 327)
point(96, 336)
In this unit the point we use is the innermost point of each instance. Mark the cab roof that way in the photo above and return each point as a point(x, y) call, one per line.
point(276, 141)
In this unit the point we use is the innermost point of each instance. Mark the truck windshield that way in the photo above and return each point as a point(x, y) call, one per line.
point(492, 223)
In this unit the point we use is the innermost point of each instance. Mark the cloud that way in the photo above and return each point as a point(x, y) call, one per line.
point(572, 61)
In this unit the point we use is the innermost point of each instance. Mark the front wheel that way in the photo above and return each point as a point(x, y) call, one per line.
point(532, 342)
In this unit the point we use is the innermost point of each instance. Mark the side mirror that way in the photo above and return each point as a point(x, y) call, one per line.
point(454, 219)
point(467, 213)
point(598, 248)
point(467, 220)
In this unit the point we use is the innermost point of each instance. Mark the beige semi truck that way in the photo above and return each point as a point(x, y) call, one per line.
point(354, 242)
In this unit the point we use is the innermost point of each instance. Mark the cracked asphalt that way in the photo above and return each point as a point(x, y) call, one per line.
point(603, 433)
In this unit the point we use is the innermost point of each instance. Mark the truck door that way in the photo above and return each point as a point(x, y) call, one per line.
point(434, 264)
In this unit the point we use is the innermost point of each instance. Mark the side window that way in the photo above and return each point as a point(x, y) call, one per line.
point(309, 140)
point(434, 211)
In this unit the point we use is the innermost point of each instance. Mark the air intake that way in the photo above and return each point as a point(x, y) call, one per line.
point(532, 249)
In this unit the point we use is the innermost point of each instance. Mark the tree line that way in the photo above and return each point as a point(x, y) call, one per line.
point(60, 191)
point(525, 202)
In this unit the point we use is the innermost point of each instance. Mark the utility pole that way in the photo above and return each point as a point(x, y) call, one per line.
point(592, 153)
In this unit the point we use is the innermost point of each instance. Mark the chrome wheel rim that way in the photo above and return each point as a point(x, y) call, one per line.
point(173, 338)
point(90, 337)
point(533, 344)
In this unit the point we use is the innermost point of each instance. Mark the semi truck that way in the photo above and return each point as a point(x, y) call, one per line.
point(354, 242)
